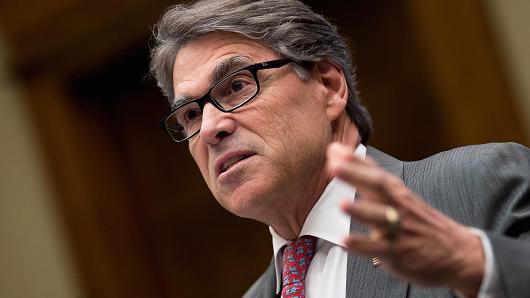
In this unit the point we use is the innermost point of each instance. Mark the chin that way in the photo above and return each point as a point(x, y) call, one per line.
point(250, 200)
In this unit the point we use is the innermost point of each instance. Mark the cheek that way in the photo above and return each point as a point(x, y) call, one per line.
point(282, 112)
point(294, 128)
point(298, 117)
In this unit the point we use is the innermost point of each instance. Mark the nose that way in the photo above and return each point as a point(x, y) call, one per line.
point(215, 125)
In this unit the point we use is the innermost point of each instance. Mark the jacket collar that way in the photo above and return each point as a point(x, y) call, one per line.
point(363, 279)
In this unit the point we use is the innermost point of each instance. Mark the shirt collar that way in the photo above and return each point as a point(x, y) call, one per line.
point(325, 220)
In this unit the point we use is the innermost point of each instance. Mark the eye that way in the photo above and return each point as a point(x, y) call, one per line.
point(237, 86)
point(188, 115)
point(235, 89)
point(191, 115)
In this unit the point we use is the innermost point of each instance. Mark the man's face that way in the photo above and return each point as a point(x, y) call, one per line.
point(269, 154)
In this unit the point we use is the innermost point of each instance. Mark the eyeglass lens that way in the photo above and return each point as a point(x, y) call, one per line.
point(229, 93)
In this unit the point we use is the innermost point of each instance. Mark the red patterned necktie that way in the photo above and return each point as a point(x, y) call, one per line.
point(296, 258)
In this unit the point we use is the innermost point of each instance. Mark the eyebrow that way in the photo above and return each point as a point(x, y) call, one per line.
point(227, 66)
point(220, 71)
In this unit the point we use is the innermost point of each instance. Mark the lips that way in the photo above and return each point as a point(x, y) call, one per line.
point(231, 162)
point(228, 160)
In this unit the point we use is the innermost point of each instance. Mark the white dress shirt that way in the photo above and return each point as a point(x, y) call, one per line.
point(326, 275)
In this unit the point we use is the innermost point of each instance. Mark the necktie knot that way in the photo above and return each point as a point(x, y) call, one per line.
point(296, 258)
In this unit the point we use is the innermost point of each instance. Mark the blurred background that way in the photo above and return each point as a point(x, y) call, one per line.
point(96, 201)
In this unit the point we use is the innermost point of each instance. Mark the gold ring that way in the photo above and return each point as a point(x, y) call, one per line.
point(392, 228)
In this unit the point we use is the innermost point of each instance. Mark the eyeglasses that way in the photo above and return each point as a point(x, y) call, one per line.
point(227, 95)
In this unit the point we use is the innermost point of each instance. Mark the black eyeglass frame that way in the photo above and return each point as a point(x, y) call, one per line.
point(254, 68)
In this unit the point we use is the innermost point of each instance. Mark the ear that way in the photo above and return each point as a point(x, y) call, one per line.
point(332, 78)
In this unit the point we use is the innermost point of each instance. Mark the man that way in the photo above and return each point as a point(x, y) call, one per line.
point(263, 93)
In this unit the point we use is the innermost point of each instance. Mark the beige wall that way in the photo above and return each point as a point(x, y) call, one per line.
point(34, 260)
point(512, 25)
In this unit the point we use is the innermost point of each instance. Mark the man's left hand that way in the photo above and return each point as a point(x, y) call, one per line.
point(420, 245)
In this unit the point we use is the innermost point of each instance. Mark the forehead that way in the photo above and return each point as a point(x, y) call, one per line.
point(196, 60)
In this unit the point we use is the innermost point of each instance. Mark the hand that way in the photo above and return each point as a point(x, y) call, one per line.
point(430, 249)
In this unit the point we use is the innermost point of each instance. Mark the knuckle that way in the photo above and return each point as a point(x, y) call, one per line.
point(393, 181)
point(402, 192)
point(380, 181)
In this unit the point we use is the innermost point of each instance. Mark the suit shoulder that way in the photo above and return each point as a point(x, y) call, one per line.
point(482, 158)
point(475, 184)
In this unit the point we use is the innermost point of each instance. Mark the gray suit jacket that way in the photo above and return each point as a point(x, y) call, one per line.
point(483, 186)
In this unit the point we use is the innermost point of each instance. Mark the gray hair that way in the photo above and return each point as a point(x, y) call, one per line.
point(289, 27)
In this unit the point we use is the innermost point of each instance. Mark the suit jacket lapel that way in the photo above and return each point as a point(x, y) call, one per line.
point(364, 280)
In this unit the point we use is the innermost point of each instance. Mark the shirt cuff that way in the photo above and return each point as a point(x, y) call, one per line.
point(490, 286)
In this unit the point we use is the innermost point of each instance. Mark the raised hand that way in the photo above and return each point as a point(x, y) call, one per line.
point(408, 237)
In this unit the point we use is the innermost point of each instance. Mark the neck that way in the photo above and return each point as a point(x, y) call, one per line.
point(292, 215)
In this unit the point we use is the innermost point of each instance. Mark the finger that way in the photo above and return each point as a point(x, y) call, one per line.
point(369, 181)
point(366, 212)
point(365, 246)
point(342, 161)
point(370, 160)
point(340, 152)
point(372, 180)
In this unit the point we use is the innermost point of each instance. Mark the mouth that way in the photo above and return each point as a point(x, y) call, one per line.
point(227, 161)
